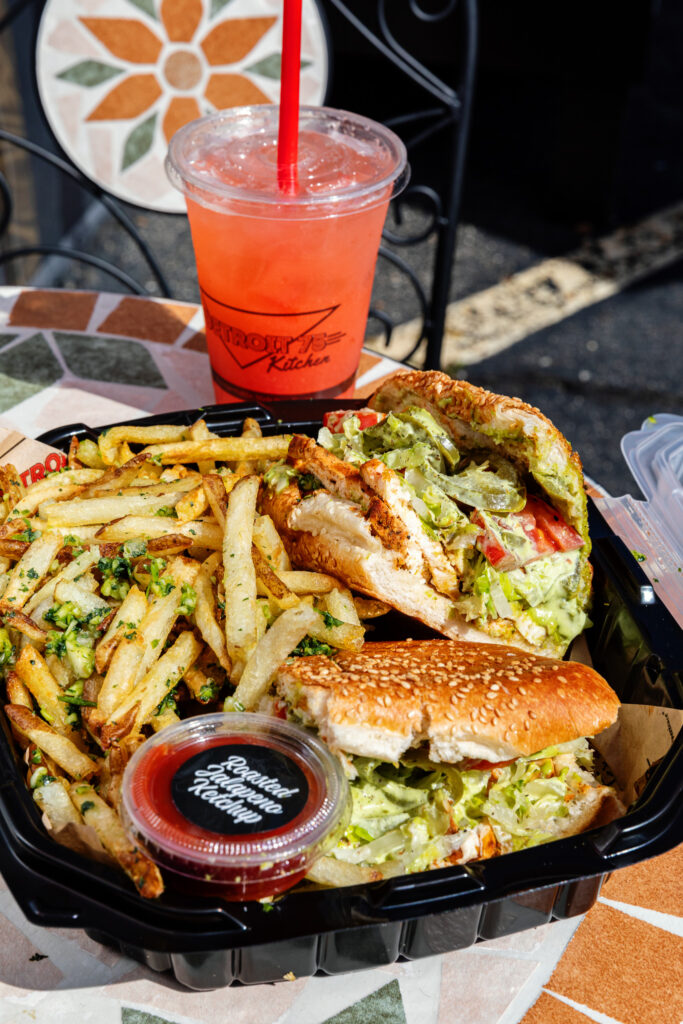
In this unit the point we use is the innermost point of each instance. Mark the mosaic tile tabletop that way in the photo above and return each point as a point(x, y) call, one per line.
point(95, 357)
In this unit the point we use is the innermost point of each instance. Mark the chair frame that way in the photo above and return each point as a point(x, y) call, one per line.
point(448, 112)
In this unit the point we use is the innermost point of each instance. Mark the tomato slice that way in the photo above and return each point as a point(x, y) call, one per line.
point(545, 528)
point(486, 766)
point(551, 524)
point(367, 418)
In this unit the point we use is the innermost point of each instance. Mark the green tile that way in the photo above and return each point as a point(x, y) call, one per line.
point(116, 360)
point(6, 338)
point(25, 370)
point(89, 73)
point(138, 142)
point(129, 1016)
point(385, 1006)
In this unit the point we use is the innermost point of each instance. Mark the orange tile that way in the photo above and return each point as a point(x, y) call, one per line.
point(623, 967)
point(656, 884)
point(197, 343)
point(58, 310)
point(129, 98)
point(231, 40)
point(369, 389)
point(548, 1010)
point(366, 362)
point(150, 321)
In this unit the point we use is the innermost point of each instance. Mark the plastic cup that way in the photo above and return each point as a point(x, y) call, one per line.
point(285, 279)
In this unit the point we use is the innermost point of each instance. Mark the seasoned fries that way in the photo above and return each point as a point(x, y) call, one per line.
point(139, 586)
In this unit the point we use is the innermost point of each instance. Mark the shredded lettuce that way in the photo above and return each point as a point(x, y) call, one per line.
point(413, 815)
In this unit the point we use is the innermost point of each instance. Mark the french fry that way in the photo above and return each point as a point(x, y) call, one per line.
point(24, 624)
point(339, 603)
point(205, 614)
point(227, 449)
point(201, 687)
point(17, 691)
point(200, 432)
point(200, 531)
point(272, 649)
point(239, 575)
point(89, 454)
point(11, 486)
point(301, 581)
point(127, 617)
point(70, 572)
point(269, 543)
point(115, 479)
point(250, 428)
point(163, 719)
point(192, 505)
point(370, 608)
point(270, 584)
point(345, 636)
point(216, 496)
point(13, 549)
point(176, 485)
point(56, 804)
point(60, 748)
point(56, 488)
point(89, 603)
point(121, 674)
point(36, 676)
point(110, 441)
point(72, 459)
point(114, 838)
point(171, 544)
point(158, 683)
point(102, 510)
point(163, 611)
point(331, 872)
point(29, 571)
point(61, 670)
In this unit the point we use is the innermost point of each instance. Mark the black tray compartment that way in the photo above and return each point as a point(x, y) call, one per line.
point(634, 642)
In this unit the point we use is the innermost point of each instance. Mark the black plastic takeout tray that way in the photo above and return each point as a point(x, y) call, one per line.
point(208, 943)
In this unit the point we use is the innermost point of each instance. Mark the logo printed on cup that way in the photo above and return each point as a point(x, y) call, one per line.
point(239, 789)
point(247, 336)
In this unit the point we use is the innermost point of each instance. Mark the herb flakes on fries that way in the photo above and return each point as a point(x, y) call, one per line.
point(139, 586)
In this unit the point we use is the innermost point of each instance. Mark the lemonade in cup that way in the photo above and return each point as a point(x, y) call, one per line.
point(285, 279)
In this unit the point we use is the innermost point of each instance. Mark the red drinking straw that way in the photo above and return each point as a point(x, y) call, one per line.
point(288, 130)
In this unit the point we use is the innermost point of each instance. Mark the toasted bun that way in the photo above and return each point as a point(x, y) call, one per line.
point(477, 418)
point(466, 700)
point(328, 534)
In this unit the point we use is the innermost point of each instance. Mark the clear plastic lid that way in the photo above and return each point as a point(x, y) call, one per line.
point(653, 528)
point(228, 162)
point(222, 795)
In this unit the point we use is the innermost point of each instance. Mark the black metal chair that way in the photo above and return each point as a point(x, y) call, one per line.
point(419, 57)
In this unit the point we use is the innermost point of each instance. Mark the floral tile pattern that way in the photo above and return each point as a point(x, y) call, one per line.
point(117, 80)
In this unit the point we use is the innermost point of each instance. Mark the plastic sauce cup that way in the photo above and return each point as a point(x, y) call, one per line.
point(285, 280)
point(234, 805)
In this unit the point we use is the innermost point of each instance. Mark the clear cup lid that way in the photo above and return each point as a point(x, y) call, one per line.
point(230, 157)
point(232, 791)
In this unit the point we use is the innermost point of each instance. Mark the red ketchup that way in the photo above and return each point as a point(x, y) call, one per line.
point(235, 805)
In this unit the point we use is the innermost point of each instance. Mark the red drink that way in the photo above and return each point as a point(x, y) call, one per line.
point(285, 280)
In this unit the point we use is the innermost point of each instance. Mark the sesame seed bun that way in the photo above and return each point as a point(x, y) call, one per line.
point(465, 700)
